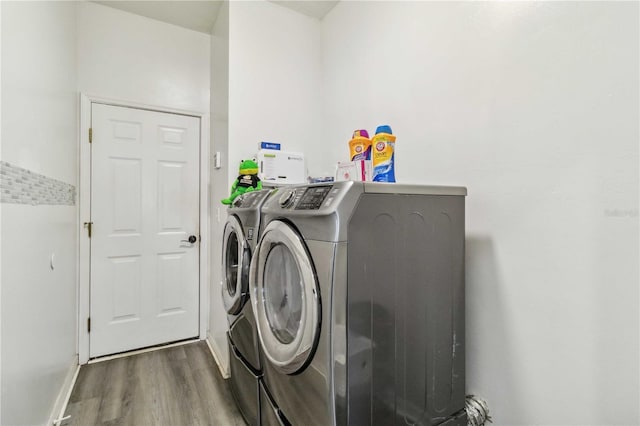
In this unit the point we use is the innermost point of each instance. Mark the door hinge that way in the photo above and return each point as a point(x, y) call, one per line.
point(90, 135)
point(89, 226)
point(89, 325)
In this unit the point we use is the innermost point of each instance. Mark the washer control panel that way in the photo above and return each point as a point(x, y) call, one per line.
point(250, 200)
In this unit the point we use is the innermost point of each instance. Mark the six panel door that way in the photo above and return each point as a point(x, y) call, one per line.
point(144, 207)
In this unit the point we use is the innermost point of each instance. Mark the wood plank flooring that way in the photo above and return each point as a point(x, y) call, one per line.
point(177, 386)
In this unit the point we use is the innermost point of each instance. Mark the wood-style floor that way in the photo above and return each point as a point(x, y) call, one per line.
point(176, 386)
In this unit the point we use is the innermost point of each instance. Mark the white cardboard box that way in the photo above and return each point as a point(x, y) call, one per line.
point(281, 167)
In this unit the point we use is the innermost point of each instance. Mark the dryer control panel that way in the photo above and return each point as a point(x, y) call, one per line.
point(313, 198)
point(304, 198)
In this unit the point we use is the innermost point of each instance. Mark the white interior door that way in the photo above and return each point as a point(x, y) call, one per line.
point(144, 207)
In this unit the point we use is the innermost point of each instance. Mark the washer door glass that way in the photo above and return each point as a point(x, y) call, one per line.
point(235, 259)
point(282, 293)
point(285, 295)
point(231, 264)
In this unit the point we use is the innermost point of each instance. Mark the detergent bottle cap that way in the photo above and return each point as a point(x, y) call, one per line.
point(384, 129)
point(362, 133)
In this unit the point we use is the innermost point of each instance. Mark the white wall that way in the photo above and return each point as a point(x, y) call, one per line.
point(39, 133)
point(129, 57)
point(266, 76)
point(49, 49)
point(0, 219)
point(274, 79)
point(219, 178)
point(533, 107)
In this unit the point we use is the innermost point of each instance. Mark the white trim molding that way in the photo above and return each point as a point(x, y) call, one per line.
point(84, 215)
point(62, 400)
point(205, 203)
point(217, 357)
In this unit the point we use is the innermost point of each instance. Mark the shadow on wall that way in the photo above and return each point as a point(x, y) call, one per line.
point(490, 357)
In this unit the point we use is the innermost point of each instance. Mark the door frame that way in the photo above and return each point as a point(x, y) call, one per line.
point(84, 211)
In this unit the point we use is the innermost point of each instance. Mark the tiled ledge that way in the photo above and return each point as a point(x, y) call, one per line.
point(21, 186)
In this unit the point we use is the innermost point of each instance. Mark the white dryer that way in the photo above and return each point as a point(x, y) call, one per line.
point(358, 294)
point(241, 233)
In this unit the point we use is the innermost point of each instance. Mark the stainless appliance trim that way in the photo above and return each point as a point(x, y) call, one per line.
point(233, 303)
point(289, 357)
point(395, 188)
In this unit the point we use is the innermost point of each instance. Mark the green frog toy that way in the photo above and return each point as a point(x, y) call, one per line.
point(247, 181)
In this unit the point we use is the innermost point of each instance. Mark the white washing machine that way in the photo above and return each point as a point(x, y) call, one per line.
point(241, 233)
point(358, 294)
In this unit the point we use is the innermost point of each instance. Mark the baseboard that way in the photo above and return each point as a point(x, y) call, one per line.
point(62, 400)
point(217, 356)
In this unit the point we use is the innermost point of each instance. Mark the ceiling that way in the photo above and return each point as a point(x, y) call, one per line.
point(201, 15)
point(314, 9)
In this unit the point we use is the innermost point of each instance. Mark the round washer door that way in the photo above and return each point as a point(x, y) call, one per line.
point(286, 300)
point(236, 258)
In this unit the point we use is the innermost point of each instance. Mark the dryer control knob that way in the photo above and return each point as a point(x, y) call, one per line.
point(286, 198)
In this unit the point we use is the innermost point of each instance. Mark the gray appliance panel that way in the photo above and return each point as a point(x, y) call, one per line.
point(270, 415)
point(339, 333)
point(303, 399)
point(459, 419)
point(329, 222)
point(250, 200)
point(247, 209)
point(405, 310)
point(409, 189)
point(306, 398)
point(244, 387)
point(242, 327)
point(244, 334)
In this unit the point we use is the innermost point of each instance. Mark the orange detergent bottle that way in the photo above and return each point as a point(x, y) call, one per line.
point(360, 146)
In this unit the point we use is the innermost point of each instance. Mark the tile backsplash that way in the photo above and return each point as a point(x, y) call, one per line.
point(22, 186)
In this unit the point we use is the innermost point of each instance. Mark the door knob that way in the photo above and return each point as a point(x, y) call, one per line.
point(192, 239)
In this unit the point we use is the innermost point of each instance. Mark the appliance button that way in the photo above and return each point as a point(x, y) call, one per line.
point(286, 198)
